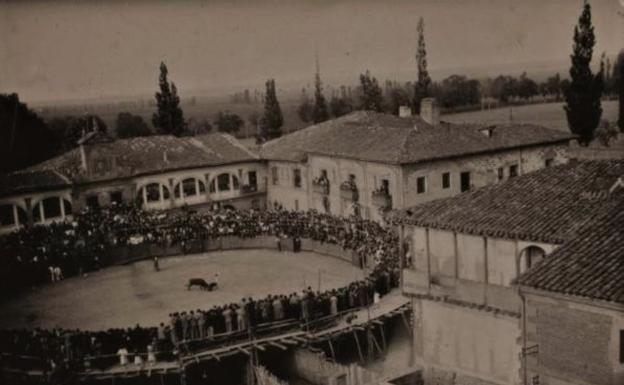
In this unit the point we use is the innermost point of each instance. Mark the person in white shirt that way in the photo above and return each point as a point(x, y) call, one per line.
point(137, 359)
point(151, 357)
point(123, 356)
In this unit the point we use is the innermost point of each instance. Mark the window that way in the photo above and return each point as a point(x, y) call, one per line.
point(464, 181)
point(235, 184)
point(253, 180)
point(67, 206)
point(202, 186)
point(501, 173)
point(513, 170)
point(297, 177)
point(324, 174)
point(274, 176)
point(116, 197)
point(51, 207)
point(446, 180)
point(189, 188)
point(549, 162)
point(93, 202)
point(223, 182)
point(385, 186)
point(296, 205)
point(6, 215)
point(152, 192)
point(421, 185)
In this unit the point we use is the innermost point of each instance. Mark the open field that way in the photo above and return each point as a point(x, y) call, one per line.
point(123, 296)
point(202, 109)
point(550, 115)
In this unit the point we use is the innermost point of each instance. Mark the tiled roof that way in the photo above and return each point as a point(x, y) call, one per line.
point(549, 205)
point(28, 181)
point(371, 136)
point(154, 154)
point(589, 265)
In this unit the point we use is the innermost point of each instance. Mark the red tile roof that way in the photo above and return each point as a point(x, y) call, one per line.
point(589, 265)
point(384, 138)
point(155, 154)
point(548, 205)
point(29, 181)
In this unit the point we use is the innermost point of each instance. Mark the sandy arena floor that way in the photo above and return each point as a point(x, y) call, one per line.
point(122, 296)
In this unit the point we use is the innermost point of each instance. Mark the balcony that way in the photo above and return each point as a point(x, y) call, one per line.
point(382, 199)
point(248, 189)
point(320, 186)
point(349, 191)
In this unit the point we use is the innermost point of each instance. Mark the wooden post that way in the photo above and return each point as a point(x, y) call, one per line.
point(383, 336)
point(406, 323)
point(357, 342)
point(372, 337)
point(331, 349)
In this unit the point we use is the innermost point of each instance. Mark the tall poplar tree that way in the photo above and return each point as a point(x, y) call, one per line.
point(272, 120)
point(320, 112)
point(423, 84)
point(583, 107)
point(168, 118)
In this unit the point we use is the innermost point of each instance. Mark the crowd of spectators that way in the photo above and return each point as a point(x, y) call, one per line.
point(32, 255)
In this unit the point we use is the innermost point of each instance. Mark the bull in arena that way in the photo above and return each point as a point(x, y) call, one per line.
point(203, 285)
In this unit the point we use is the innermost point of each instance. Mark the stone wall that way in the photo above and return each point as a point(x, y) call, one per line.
point(282, 190)
point(133, 253)
point(463, 345)
point(483, 170)
point(316, 369)
point(573, 343)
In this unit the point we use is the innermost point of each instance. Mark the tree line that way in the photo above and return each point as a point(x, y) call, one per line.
point(26, 139)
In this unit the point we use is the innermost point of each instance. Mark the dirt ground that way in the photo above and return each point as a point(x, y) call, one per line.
point(122, 296)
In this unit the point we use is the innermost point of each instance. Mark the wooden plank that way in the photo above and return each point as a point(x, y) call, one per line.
point(258, 346)
point(216, 357)
point(277, 345)
point(243, 350)
point(289, 342)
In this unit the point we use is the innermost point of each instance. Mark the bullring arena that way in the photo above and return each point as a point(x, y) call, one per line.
point(124, 295)
point(298, 295)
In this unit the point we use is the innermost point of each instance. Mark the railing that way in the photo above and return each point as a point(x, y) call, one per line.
point(320, 188)
point(382, 199)
point(349, 192)
point(249, 188)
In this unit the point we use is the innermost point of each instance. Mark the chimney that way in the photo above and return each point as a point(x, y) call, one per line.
point(405, 112)
point(429, 111)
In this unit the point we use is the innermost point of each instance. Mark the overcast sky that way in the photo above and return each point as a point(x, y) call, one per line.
point(74, 50)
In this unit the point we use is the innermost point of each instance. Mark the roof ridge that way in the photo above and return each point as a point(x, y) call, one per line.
point(235, 142)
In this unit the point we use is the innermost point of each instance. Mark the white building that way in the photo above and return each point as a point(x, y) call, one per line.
point(372, 162)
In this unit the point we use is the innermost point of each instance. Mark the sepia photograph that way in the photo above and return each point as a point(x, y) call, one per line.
point(312, 192)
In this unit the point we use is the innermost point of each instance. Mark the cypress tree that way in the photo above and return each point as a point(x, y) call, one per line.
point(583, 108)
point(422, 86)
point(168, 118)
point(272, 120)
point(320, 112)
